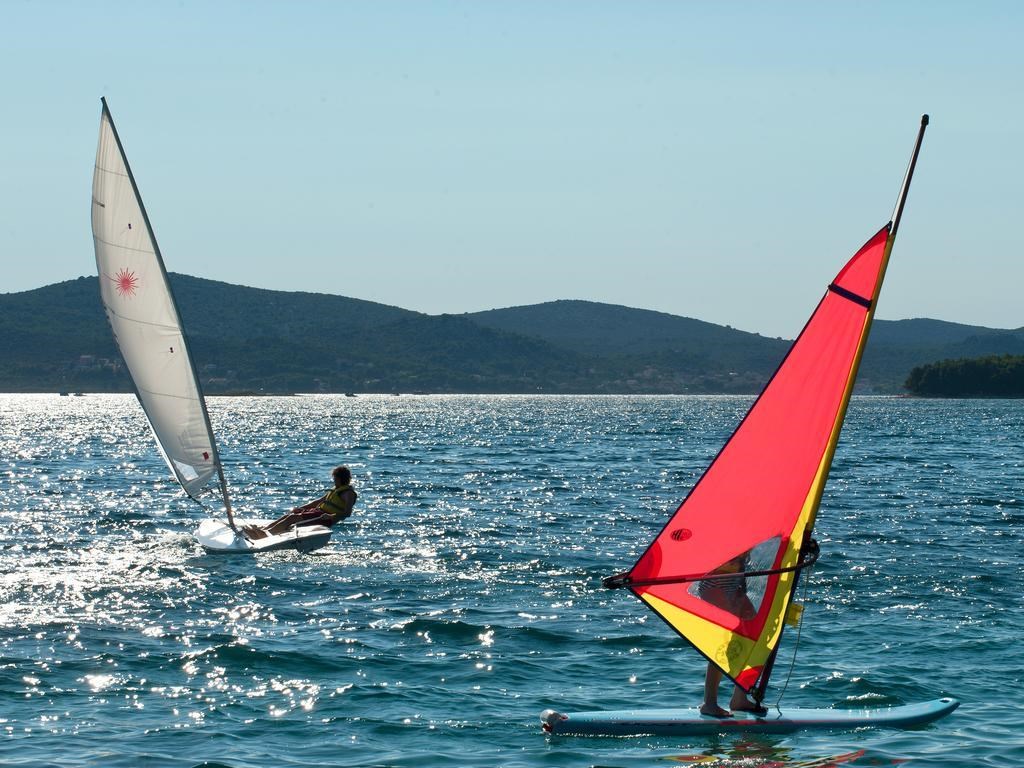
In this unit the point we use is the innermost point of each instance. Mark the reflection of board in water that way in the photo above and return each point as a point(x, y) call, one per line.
point(770, 758)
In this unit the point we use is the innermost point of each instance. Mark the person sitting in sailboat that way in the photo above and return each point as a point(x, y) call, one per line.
point(333, 507)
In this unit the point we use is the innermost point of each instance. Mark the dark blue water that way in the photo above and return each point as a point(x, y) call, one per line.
point(463, 597)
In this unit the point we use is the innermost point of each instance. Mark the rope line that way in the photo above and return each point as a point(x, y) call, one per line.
point(796, 647)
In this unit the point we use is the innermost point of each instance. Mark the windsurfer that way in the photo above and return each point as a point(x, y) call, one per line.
point(333, 507)
point(730, 594)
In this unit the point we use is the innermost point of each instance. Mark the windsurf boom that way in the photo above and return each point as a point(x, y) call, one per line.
point(723, 570)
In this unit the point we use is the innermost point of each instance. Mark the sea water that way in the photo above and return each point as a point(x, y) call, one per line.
point(463, 597)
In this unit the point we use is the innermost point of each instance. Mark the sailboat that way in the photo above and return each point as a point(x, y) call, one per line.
point(746, 524)
point(144, 317)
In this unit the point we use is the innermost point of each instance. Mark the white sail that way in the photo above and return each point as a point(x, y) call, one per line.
point(137, 297)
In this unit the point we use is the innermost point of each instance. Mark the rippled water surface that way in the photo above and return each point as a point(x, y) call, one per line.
point(463, 596)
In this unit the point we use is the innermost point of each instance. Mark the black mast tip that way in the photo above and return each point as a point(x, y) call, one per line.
point(924, 119)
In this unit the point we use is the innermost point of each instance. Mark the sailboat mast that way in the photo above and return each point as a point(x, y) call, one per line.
point(163, 271)
point(760, 688)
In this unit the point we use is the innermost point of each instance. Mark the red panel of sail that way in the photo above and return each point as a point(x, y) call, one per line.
point(753, 494)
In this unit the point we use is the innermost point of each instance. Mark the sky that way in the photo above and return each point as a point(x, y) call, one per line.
point(715, 160)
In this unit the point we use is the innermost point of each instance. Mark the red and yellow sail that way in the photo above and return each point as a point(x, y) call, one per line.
point(753, 509)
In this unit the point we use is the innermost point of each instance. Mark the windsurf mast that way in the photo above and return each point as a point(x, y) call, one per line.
point(894, 223)
point(746, 524)
point(897, 213)
point(144, 317)
point(760, 689)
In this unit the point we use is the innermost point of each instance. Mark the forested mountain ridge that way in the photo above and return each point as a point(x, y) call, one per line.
point(243, 339)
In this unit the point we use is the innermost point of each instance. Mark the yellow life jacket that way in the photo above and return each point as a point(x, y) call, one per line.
point(334, 502)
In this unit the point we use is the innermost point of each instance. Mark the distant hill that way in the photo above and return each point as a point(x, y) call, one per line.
point(56, 338)
point(668, 352)
point(609, 330)
point(735, 360)
point(252, 340)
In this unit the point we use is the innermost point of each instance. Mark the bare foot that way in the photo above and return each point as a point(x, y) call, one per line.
point(745, 705)
point(714, 711)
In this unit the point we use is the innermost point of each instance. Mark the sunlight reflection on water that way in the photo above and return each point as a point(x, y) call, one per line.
point(461, 598)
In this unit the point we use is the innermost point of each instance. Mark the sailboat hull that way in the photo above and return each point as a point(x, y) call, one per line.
point(685, 722)
point(218, 538)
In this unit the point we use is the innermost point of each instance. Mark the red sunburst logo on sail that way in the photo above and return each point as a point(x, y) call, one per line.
point(126, 282)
